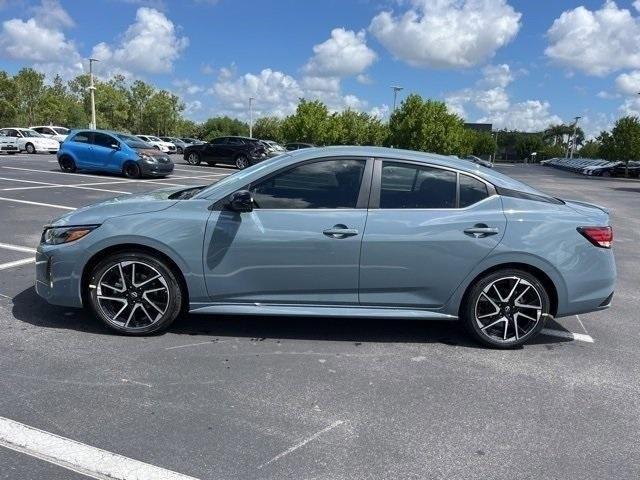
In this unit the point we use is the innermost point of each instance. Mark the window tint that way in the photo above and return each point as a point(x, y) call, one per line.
point(40, 130)
point(103, 140)
point(234, 141)
point(472, 190)
point(82, 137)
point(325, 184)
point(218, 141)
point(412, 186)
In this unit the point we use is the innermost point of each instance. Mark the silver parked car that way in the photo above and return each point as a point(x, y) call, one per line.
point(338, 231)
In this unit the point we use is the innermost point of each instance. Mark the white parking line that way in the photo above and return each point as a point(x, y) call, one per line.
point(17, 248)
point(81, 175)
point(79, 457)
point(62, 207)
point(17, 263)
point(53, 185)
point(581, 337)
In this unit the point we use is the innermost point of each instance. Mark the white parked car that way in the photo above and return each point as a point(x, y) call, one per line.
point(51, 131)
point(8, 145)
point(161, 145)
point(31, 141)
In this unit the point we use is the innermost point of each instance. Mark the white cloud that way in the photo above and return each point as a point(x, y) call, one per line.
point(631, 106)
point(490, 97)
point(447, 33)
point(527, 116)
point(41, 39)
point(186, 87)
point(380, 111)
point(150, 45)
point(344, 54)
point(596, 42)
point(629, 83)
point(364, 79)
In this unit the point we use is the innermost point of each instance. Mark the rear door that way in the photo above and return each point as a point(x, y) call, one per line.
point(427, 228)
point(81, 148)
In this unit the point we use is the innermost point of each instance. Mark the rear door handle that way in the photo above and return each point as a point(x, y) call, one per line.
point(481, 230)
point(340, 231)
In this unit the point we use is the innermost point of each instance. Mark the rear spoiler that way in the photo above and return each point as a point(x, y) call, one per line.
point(591, 205)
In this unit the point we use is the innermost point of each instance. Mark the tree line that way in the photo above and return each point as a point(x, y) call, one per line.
point(27, 98)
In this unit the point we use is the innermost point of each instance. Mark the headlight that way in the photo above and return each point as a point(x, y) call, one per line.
point(58, 235)
point(148, 158)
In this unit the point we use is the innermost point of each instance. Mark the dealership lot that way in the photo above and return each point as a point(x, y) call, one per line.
point(240, 397)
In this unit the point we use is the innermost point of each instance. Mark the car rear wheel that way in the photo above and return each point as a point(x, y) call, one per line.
point(134, 293)
point(131, 170)
point(242, 162)
point(506, 308)
point(30, 148)
point(67, 164)
point(193, 159)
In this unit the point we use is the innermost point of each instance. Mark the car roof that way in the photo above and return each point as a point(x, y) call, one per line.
point(488, 174)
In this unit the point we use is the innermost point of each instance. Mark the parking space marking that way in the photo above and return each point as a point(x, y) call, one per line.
point(302, 443)
point(15, 200)
point(53, 185)
point(80, 175)
point(16, 263)
point(79, 457)
point(581, 337)
point(17, 248)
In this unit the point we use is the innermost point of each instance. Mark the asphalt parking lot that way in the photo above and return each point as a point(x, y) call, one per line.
point(274, 398)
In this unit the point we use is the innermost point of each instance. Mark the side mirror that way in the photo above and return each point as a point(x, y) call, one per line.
point(115, 146)
point(241, 201)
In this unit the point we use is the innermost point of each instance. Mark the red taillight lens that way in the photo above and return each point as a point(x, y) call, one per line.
point(599, 236)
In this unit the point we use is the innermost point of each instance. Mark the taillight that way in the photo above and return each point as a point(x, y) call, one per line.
point(599, 236)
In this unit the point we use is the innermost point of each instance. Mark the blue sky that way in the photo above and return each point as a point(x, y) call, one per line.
point(515, 63)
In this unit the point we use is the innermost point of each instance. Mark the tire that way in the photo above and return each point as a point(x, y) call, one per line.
point(67, 164)
point(30, 149)
point(193, 158)
point(146, 305)
point(179, 151)
point(506, 296)
point(242, 162)
point(131, 170)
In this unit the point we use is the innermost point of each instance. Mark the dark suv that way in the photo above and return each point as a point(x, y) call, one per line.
point(239, 151)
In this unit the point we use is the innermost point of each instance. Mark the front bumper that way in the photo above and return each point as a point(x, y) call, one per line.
point(56, 280)
point(156, 169)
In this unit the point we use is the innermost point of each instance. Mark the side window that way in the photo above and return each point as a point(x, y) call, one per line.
point(103, 140)
point(82, 137)
point(324, 184)
point(472, 190)
point(412, 186)
point(218, 141)
point(234, 141)
point(39, 130)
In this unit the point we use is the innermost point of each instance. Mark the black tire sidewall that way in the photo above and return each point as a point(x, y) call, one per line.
point(239, 158)
point(468, 308)
point(175, 301)
point(71, 165)
point(30, 146)
point(196, 161)
point(138, 170)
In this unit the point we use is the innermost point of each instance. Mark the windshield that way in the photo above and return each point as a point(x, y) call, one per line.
point(61, 130)
point(30, 133)
point(133, 142)
point(155, 139)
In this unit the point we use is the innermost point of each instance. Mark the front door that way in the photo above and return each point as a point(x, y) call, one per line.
point(105, 152)
point(300, 244)
point(428, 228)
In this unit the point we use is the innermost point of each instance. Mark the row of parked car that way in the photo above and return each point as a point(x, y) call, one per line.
point(595, 167)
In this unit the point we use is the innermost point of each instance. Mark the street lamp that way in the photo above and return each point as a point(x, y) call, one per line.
point(251, 99)
point(92, 90)
point(395, 89)
point(573, 137)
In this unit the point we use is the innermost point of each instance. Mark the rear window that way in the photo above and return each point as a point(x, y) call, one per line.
point(472, 190)
point(81, 137)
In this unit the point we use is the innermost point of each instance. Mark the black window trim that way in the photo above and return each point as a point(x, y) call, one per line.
point(88, 133)
point(363, 195)
point(376, 184)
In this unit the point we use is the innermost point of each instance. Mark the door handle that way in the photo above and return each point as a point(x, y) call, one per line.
point(340, 231)
point(480, 231)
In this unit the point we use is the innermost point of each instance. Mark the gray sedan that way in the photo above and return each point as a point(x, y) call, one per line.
point(337, 231)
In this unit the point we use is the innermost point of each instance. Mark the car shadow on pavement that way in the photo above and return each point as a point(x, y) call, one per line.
point(28, 307)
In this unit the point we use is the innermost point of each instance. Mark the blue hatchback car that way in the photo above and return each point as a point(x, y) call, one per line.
point(112, 152)
point(337, 231)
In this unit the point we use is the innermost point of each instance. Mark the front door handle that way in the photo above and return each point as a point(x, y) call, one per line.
point(481, 230)
point(340, 231)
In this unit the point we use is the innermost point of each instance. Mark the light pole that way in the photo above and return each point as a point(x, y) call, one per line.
point(92, 90)
point(573, 137)
point(395, 89)
point(251, 99)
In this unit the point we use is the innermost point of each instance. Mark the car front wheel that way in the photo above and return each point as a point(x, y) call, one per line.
point(242, 162)
point(506, 308)
point(193, 159)
point(134, 293)
point(30, 148)
point(132, 170)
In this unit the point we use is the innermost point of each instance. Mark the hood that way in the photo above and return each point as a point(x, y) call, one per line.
point(120, 206)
